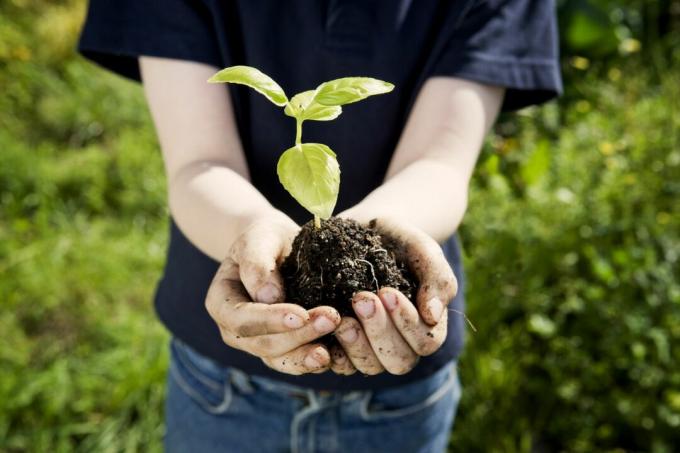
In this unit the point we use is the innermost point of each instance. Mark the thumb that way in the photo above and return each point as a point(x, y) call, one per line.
point(257, 252)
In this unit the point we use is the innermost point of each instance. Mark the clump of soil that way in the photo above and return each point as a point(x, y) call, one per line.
point(328, 265)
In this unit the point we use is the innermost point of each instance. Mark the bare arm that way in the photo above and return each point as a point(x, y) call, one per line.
point(421, 202)
point(427, 180)
point(209, 192)
point(220, 211)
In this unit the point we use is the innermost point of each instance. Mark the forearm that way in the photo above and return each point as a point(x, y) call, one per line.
point(427, 194)
point(212, 204)
point(427, 180)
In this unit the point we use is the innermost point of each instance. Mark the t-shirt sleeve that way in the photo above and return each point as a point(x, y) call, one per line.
point(116, 32)
point(509, 43)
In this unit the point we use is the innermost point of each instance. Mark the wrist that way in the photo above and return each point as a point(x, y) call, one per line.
point(271, 216)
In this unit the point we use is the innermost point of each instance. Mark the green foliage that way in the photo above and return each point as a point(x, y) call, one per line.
point(82, 239)
point(310, 172)
point(571, 248)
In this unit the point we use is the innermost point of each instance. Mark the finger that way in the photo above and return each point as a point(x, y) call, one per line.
point(310, 358)
point(423, 338)
point(257, 252)
point(230, 306)
point(323, 320)
point(340, 363)
point(437, 283)
point(392, 350)
point(353, 340)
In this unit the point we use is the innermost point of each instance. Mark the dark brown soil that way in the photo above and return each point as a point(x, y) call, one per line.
point(328, 265)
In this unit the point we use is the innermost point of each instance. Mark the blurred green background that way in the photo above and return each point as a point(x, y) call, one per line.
point(571, 246)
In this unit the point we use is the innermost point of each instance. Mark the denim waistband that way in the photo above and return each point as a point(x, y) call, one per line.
point(215, 373)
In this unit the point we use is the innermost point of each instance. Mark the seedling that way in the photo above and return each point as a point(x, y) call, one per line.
point(308, 171)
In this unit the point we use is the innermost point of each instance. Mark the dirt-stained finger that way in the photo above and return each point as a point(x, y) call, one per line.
point(323, 320)
point(437, 282)
point(310, 358)
point(230, 306)
point(389, 346)
point(257, 252)
point(423, 338)
point(353, 340)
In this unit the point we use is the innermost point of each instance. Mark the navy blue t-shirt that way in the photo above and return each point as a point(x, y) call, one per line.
point(301, 43)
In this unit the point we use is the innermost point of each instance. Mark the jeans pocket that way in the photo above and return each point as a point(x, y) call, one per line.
point(204, 381)
point(411, 398)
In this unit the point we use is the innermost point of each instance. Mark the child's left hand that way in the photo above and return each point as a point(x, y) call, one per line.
point(390, 333)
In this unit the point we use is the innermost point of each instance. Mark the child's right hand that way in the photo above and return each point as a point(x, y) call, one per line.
point(246, 296)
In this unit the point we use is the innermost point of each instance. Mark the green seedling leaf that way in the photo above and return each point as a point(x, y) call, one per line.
point(308, 171)
point(303, 106)
point(246, 75)
point(350, 89)
point(311, 174)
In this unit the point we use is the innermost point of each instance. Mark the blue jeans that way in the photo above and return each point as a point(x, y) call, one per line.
point(211, 408)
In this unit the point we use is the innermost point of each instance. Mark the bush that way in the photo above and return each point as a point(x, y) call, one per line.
point(572, 251)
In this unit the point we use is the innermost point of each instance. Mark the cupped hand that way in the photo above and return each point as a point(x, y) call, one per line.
point(391, 332)
point(246, 296)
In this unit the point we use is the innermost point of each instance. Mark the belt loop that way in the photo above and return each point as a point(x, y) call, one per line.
point(241, 380)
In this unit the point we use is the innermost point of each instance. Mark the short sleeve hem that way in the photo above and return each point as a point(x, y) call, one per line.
point(527, 82)
point(114, 36)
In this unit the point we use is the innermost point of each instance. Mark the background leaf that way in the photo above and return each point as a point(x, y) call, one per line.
point(255, 79)
point(303, 106)
point(538, 163)
point(350, 89)
point(311, 174)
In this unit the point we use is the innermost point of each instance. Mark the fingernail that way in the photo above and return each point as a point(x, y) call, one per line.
point(349, 335)
point(435, 307)
point(293, 321)
point(365, 308)
point(323, 325)
point(311, 362)
point(268, 294)
point(390, 300)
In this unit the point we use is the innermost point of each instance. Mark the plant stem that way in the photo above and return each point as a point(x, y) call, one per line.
point(298, 131)
point(298, 141)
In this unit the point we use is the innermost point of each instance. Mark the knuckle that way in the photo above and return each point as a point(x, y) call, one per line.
point(450, 286)
point(371, 370)
point(348, 370)
point(237, 248)
point(227, 337)
point(211, 307)
point(302, 335)
point(427, 345)
point(401, 367)
point(263, 344)
point(348, 322)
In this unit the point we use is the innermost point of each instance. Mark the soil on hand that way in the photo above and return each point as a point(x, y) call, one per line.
point(328, 265)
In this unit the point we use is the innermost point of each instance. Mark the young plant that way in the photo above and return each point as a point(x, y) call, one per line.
point(308, 171)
